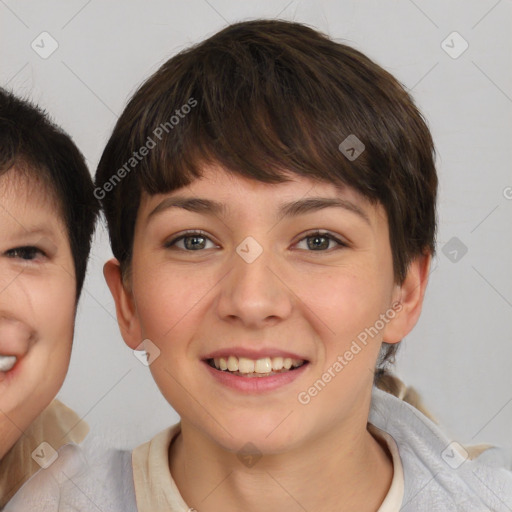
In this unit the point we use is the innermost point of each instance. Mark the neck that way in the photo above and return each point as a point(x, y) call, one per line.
point(355, 476)
point(10, 433)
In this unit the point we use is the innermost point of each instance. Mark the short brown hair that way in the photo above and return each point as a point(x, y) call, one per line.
point(41, 151)
point(269, 96)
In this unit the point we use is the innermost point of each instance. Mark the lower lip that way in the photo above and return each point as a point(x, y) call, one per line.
point(256, 384)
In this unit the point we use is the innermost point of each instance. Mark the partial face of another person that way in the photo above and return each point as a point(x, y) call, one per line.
point(276, 275)
point(37, 303)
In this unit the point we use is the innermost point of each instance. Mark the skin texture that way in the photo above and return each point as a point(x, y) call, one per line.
point(37, 303)
point(293, 297)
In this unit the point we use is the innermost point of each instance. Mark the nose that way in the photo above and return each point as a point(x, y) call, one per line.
point(253, 293)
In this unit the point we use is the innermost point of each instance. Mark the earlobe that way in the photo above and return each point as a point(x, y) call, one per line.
point(410, 296)
point(126, 312)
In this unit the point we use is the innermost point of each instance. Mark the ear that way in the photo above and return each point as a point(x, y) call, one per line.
point(126, 311)
point(408, 300)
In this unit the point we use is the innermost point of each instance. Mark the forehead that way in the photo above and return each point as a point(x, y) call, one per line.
point(229, 194)
point(25, 192)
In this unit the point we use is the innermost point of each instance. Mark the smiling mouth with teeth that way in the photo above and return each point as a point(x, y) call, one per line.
point(7, 363)
point(264, 367)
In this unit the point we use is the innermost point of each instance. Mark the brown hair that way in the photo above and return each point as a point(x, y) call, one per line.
point(262, 97)
point(40, 151)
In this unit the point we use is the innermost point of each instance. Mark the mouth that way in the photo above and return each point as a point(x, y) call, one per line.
point(7, 363)
point(254, 368)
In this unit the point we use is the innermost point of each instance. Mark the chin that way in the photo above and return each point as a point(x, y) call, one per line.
point(265, 436)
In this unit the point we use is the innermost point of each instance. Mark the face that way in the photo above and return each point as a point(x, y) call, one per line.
point(299, 273)
point(37, 304)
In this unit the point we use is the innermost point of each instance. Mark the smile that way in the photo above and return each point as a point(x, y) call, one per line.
point(7, 363)
point(264, 367)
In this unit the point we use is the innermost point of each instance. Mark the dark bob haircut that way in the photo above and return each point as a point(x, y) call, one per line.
point(264, 98)
point(39, 150)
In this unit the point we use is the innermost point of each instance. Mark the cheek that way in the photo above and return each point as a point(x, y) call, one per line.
point(47, 306)
point(167, 298)
point(343, 301)
point(54, 310)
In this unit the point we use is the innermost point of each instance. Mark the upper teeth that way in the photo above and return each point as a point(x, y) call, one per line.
point(264, 365)
point(7, 362)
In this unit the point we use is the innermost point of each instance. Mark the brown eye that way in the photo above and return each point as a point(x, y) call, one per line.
point(25, 253)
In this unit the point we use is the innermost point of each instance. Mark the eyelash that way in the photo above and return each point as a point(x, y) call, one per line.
point(312, 234)
point(19, 252)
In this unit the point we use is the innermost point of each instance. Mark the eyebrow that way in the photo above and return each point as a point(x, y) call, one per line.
point(33, 231)
point(292, 209)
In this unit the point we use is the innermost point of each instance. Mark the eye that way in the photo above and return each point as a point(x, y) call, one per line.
point(320, 241)
point(27, 253)
point(197, 240)
point(192, 241)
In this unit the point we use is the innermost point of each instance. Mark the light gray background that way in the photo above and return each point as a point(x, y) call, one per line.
point(460, 355)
